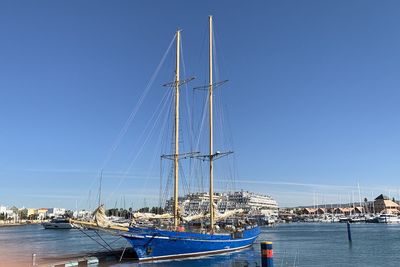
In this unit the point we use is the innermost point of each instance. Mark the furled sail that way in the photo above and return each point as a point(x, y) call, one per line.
point(228, 213)
point(151, 216)
point(100, 217)
point(193, 217)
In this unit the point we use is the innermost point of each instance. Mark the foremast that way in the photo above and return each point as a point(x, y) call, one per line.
point(176, 152)
point(210, 96)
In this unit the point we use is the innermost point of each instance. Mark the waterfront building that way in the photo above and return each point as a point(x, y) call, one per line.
point(82, 214)
point(383, 204)
point(42, 213)
point(8, 214)
point(251, 203)
point(343, 211)
point(3, 209)
point(309, 211)
point(32, 212)
point(55, 212)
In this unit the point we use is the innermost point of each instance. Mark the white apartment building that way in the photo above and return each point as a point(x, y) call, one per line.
point(55, 212)
point(3, 209)
point(251, 203)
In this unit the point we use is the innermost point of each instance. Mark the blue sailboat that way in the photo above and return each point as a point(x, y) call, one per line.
point(151, 243)
point(157, 244)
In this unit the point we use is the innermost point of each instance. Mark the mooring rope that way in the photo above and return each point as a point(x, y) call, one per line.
point(106, 248)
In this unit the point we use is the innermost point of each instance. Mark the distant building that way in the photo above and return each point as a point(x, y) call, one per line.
point(55, 212)
point(250, 202)
point(309, 211)
point(32, 212)
point(82, 214)
point(383, 204)
point(8, 213)
point(3, 209)
point(42, 213)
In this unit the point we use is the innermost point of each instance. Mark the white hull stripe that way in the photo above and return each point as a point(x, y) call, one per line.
point(190, 239)
point(195, 254)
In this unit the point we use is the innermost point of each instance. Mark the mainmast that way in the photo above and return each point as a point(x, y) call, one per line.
point(210, 94)
point(176, 152)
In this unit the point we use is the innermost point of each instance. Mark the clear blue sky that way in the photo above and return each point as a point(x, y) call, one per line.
point(313, 97)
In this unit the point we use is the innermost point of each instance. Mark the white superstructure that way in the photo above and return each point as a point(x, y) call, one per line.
point(251, 203)
point(388, 218)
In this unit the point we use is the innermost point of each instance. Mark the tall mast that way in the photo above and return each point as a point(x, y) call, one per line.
point(210, 90)
point(176, 153)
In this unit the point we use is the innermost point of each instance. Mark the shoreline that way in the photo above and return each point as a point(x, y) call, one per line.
point(13, 224)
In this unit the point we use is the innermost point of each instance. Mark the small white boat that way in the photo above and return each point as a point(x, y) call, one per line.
point(357, 219)
point(60, 223)
point(388, 218)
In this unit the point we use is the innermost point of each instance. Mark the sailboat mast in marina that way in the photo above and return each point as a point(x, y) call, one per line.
point(176, 152)
point(210, 96)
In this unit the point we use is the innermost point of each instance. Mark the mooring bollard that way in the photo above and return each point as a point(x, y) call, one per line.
point(267, 254)
point(348, 231)
point(33, 259)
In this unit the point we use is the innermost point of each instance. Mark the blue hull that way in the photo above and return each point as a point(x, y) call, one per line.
point(155, 244)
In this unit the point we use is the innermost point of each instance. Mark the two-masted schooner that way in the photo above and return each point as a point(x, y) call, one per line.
point(151, 243)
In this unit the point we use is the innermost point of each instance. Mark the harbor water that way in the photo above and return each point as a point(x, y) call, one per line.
point(296, 244)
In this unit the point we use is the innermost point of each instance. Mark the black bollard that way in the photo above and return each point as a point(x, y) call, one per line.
point(348, 231)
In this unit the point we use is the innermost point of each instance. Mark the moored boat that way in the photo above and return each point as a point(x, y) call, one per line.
point(357, 219)
point(57, 223)
point(388, 218)
point(152, 243)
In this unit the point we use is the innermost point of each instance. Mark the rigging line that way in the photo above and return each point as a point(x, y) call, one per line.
point(132, 115)
point(221, 57)
point(141, 148)
point(158, 110)
point(233, 156)
point(233, 165)
point(200, 174)
point(168, 143)
point(103, 240)
point(202, 49)
point(157, 143)
point(106, 248)
point(166, 96)
point(159, 196)
point(215, 63)
point(188, 117)
point(138, 105)
point(166, 193)
point(226, 139)
point(169, 169)
point(168, 184)
point(202, 122)
point(183, 179)
point(219, 106)
point(219, 103)
point(115, 240)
